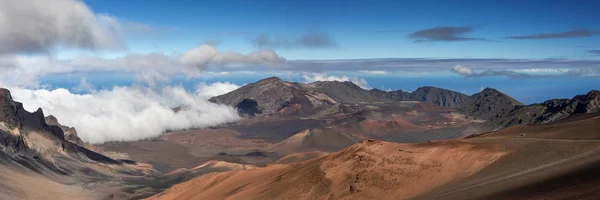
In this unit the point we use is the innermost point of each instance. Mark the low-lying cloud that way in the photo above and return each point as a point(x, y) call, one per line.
point(207, 91)
point(313, 77)
point(130, 113)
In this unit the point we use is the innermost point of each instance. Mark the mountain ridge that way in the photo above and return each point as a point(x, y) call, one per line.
point(272, 95)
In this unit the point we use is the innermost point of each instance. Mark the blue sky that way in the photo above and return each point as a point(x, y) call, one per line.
point(365, 29)
point(533, 50)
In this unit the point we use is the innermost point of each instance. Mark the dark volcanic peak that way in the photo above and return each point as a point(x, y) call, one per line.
point(493, 93)
point(271, 95)
point(489, 104)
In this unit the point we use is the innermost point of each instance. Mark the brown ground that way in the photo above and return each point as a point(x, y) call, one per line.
point(300, 157)
point(583, 129)
point(367, 170)
point(24, 184)
point(553, 161)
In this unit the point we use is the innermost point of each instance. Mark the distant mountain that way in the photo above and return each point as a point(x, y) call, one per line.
point(273, 95)
point(437, 96)
point(501, 110)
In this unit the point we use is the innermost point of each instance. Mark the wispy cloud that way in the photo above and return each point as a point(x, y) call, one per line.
point(435, 65)
point(443, 33)
point(595, 52)
point(573, 33)
point(311, 40)
point(526, 73)
point(375, 72)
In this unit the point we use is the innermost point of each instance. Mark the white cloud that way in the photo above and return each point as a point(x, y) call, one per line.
point(25, 70)
point(207, 54)
point(377, 72)
point(462, 70)
point(543, 70)
point(129, 113)
point(199, 56)
point(33, 26)
point(215, 89)
point(312, 77)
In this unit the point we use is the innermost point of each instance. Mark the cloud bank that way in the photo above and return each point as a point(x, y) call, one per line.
point(207, 91)
point(130, 113)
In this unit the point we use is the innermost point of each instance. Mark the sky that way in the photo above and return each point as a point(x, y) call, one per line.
point(367, 29)
point(59, 54)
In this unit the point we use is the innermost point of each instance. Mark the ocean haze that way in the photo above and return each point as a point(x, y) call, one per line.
point(537, 90)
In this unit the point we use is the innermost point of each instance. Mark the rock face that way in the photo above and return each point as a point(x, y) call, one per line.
point(26, 134)
point(501, 111)
point(14, 117)
point(70, 134)
point(437, 96)
point(272, 95)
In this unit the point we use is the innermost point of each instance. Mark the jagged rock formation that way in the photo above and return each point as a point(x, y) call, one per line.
point(501, 110)
point(273, 95)
point(70, 134)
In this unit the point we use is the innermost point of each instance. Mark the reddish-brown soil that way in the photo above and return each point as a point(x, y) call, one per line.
point(368, 170)
point(300, 157)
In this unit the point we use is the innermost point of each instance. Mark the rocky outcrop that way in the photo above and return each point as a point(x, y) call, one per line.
point(70, 134)
point(501, 110)
point(14, 117)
